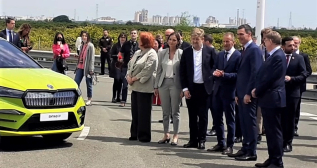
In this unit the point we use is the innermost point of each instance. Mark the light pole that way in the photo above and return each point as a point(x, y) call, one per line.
point(260, 14)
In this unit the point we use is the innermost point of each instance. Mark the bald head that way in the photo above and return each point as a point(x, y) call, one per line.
point(167, 33)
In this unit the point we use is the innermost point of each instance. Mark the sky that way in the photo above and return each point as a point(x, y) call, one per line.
point(304, 12)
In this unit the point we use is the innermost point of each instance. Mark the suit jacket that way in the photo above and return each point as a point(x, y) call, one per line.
point(187, 68)
point(163, 58)
point(142, 65)
point(308, 70)
point(270, 83)
point(15, 40)
point(250, 62)
point(228, 82)
point(297, 71)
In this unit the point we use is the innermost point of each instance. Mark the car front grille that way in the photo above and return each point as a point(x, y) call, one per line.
point(42, 99)
point(34, 124)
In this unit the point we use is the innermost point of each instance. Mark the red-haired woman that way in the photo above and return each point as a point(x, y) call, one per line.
point(141, 80)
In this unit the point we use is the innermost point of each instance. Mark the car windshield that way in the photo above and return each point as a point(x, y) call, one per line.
point(11, 57)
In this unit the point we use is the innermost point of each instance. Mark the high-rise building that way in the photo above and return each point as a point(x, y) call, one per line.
point(141, 16)
point(196, 21)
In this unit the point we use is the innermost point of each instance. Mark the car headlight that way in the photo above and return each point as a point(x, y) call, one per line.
point(12, 93)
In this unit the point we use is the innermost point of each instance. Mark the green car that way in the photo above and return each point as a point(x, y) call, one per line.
point(35, 100)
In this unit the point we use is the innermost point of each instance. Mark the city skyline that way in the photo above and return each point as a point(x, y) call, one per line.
point(302, 15)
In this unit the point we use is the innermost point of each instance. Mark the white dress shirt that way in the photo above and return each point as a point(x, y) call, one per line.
point(230, 52)
point(198, 60)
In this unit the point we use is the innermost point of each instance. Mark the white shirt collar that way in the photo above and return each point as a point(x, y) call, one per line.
point(231, 50)
point(248, 43)
point(297, 51)
point(202, 46)
point(275, 49)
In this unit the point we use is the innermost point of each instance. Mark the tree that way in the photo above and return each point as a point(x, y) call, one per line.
point(185, 20)
point(61, 18)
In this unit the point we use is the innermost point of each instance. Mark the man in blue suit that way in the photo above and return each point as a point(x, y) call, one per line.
point(251, 61)
point(271, 94)
point(225, 74)
point(9, 33)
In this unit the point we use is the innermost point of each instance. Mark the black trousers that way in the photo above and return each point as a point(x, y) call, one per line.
point(273, 131)
point(297, 113)
point(198, 107)
point(141, 107)
point(103, 57)
point(116, 89)
point(238, 132)
point(288, 120)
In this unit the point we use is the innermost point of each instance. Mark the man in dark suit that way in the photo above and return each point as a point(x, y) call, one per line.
point(270, 91)
point(297, 42)
point(195, 72)
point(10, 34)
point(295, 76)
point(251, 60)
point(225, 74)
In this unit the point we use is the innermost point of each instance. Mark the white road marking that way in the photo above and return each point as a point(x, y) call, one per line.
point(84, 133)
point(307, 114)
point(315, 118)
point(308, 104)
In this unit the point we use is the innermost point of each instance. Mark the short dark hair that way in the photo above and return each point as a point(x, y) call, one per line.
point(55, 38)
point(285, 39)
point(208, 37)
point(8, 20)
point(178, 37)
point(246, 27)
point(105, 30)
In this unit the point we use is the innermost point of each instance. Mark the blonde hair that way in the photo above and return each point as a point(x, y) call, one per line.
point(274, 36)
point(198, 32)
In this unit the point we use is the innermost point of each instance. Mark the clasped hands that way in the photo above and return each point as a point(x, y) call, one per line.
point(218, 73)
point(131, 80)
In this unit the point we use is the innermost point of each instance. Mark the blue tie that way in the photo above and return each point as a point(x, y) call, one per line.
point(10, 36)
point(225, 60)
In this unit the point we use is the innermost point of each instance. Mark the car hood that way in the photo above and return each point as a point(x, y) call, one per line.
point(37, 78)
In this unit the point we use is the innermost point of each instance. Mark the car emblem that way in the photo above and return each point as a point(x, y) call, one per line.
point(50, 86)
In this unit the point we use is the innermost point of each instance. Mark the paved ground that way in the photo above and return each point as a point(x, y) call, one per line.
point(106, 145)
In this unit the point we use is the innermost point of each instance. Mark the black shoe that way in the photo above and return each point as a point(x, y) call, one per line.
point(265, 164)
point(201, 145)
point(133, 138)
point(247, 157)
point(160, 121)
point(190, 145)
point(217, 148)
point(211, 133)
point(227, 151)
point(113, 101)
point(288, 148)
point(238, 154)
point(163, 141)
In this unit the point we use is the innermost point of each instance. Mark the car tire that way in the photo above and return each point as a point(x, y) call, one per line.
point(56, 137)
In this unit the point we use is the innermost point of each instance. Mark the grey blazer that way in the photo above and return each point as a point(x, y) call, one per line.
point(143, 69)
point(163, 57)
point(90, 59)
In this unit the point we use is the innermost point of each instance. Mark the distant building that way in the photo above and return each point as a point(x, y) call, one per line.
point(196, 21)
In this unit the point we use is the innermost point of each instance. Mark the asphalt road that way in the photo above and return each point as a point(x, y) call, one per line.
point(104, 142)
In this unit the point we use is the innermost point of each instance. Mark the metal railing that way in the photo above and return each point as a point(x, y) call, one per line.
point(311, 94)
point(45, 58)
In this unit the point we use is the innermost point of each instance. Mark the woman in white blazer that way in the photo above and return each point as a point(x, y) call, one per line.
point(167, 85)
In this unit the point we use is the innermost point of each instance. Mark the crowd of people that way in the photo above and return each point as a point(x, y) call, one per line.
point(251, 85)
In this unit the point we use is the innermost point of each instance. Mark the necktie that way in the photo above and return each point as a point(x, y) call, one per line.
point(225, 60)
point(287, 59)
point(10, 36)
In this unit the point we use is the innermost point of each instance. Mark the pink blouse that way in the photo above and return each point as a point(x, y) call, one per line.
point(57, 50)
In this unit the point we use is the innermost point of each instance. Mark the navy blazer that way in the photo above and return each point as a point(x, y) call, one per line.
point(270, 83)
point(16, 38)
point(228, 81)
point(187, 68)
point(297, 71)
point(250, 62)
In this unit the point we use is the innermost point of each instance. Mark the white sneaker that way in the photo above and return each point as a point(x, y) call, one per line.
point(88, 103)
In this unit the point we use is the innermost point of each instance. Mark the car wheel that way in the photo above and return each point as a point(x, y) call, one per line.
point(57, 137)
